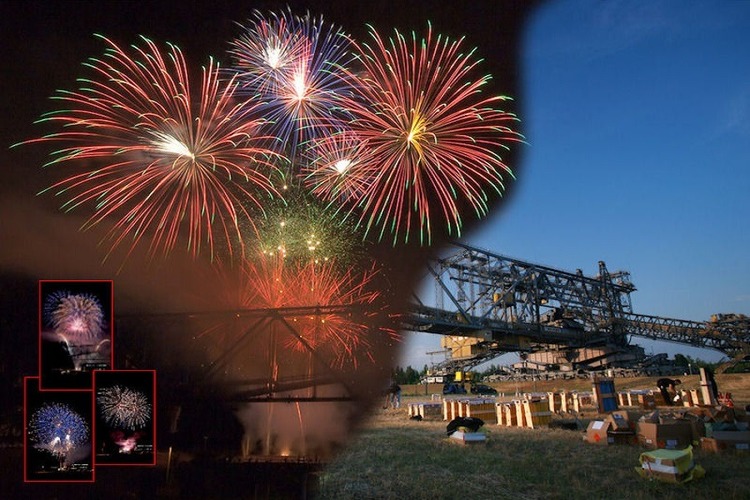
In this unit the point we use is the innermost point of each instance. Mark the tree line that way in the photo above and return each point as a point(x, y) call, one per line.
point(408, 375)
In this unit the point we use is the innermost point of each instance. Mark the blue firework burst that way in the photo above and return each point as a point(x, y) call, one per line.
point(58, 429)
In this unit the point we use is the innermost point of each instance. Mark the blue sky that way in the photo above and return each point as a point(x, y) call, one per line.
point(637, 116)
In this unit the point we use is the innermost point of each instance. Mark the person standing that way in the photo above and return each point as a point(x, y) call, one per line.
point(667, 387)
point(395, 393)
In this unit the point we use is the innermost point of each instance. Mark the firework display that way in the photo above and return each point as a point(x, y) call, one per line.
point(333, 168)
point(58, 430)
point(344, 335)
point(125, 412)
point(434, 139)
point(396, 134)
point(157, 159)
point(281, 169)
point(75, 335)
point(335, 312)
point(265, 51)
point(123, 407)
point(126, 444)
point(301, 228)
point(76, 315)
point(293, 62)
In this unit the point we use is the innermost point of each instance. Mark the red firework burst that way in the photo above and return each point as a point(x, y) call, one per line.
point(334, 165)
point(157, 161)
point(349, 305)
point(434, 141)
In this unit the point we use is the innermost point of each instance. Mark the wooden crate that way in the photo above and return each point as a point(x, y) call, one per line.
point(485, 411)
point(536, 414)
point(695, 397)
point(621, 399)
point(647, 401)
point(555, 401)
point(454, 405)
point(500, 413)
point(430, 411)
point(575, 403)
point(520, 414)
point(413, 409)
point(511, 417)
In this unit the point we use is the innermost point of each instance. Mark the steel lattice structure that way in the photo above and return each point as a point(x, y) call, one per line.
point(501, 304)
point(273, 388)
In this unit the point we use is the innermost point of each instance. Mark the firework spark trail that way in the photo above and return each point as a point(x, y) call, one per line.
point(435, 141)
point(332, 168)
point(302, 228)
point(264, 52)
point(57, 429)
point(154, 160)
point(76, 316)
point(294, 63)
point(124, 407)
point(341, 337)
point(339, 333)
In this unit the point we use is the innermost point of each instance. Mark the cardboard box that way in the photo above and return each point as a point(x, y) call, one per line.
point(671, 466)
point(732, 440)
point(705, 412)
point(469, 437)
point(627, 437)
point(596, 433)
point(710, 445)
point(622, 420)
point(642, 399)
point(672, 435)
point(698, 426)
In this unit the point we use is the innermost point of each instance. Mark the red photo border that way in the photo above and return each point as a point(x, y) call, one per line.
point(110, 327)
point(153, 419)
point(26, 480)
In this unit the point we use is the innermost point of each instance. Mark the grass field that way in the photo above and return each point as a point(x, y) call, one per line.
point(394, 457)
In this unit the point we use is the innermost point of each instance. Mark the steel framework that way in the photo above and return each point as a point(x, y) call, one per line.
point(273, 388)
point(501, 304)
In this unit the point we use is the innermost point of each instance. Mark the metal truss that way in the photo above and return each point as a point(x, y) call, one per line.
point(509, 305)
point(272, 388)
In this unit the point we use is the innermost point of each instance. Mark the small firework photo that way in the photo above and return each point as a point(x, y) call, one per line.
point(58, 442)
point(125, 406)
point(75, 332)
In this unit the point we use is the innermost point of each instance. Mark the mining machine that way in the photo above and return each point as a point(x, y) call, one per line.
point(488, 304)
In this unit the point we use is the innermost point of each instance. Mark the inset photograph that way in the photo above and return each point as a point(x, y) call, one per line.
point(58, 443)
point(125, 406)
point(75, 332)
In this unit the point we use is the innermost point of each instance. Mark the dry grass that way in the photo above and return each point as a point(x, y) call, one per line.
point(394, 457)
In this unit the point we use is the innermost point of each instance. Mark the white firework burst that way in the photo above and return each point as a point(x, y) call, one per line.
point(77, 316)
point(124, 407)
